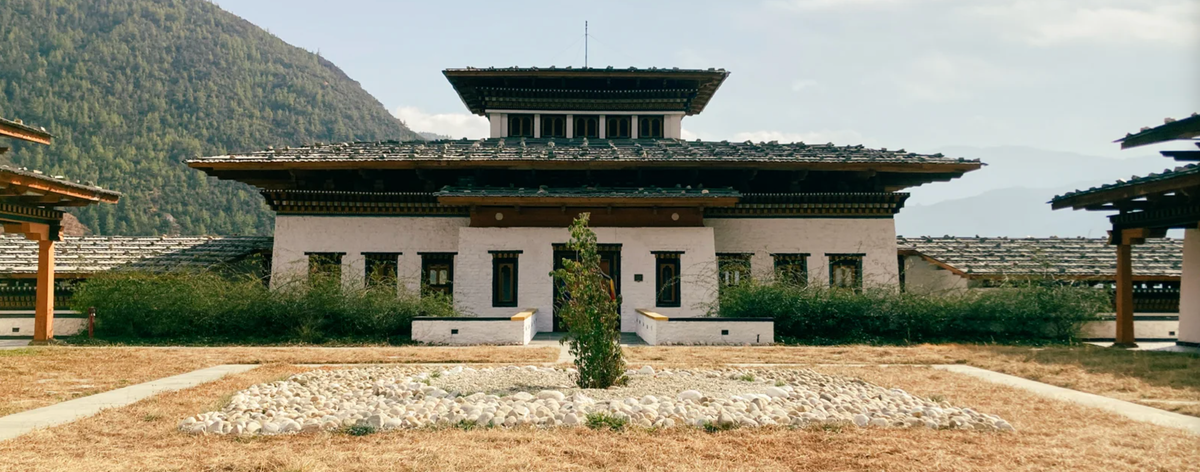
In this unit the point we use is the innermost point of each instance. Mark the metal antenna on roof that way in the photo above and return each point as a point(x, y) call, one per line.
point(585, 45)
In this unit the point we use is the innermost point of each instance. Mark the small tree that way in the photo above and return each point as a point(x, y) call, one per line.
point(588, 305)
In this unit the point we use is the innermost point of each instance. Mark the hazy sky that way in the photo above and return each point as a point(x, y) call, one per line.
point(912, 74)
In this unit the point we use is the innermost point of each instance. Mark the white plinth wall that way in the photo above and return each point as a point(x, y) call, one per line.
point(874, 238)
point(1189, 290)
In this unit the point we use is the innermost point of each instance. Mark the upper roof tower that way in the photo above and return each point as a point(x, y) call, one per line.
point(604, 103)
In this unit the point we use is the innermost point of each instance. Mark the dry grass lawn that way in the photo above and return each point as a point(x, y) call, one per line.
point(1170, 381)
point(1051, 436)
point(38, 376)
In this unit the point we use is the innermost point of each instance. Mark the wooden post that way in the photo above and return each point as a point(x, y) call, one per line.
point(43, 322)
point(1124, 338)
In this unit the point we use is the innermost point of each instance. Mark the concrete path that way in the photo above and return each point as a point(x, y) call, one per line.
point(1124, 408)
point(17, 424)
point(13, 343)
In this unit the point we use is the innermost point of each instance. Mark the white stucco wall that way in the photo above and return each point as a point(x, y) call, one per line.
point(1142, 329)
point(63, 326)
point(472, 331)
point(922, 276)
point(473, 269)
point(646, 328)
point(873, 237)
point(354, 235)
point(1189, 289)
point(709, 330)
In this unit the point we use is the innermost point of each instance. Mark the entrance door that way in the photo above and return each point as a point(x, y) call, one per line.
point(610, 265)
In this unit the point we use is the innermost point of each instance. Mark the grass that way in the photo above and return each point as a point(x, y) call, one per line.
point(1169, 381)
point(38, 376)
point(1051, 436)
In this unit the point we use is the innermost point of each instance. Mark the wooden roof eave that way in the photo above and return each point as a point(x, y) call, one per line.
point(67, 195)
point(23, 132)
point(1114, 195)
point(590, 164)
point(587, 201)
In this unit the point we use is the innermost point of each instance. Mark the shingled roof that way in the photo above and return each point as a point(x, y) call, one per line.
point(24, 176)
point(574, 150)
point(85, 255)
point(1065, 200)
point(591, 88)
point(1080, 258)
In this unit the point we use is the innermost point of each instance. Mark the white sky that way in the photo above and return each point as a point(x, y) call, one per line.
point(914, 74)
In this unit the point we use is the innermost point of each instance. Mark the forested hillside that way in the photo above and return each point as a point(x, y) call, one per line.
point(132, 88)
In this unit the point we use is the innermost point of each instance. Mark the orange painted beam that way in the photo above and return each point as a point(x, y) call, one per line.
point(43, 322)
point(1124, 286)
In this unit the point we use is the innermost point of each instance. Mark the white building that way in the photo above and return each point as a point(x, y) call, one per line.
point(485, 220)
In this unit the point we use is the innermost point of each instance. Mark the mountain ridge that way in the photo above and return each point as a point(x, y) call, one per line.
point(133, 88)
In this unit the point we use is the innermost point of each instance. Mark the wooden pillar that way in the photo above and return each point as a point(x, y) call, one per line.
point(43, 322)
point(1124, 338)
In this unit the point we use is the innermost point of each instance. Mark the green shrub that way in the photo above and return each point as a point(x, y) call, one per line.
point(1033, 313)
point(199, 307)
point(590, 312)
point(605, 421)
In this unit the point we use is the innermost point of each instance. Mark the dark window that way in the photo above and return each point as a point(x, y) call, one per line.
point(520, 126)
point(733, 269)
point(325, 265)
point(504, 278)
point(587, 126)
point(845, 271)
point(902, 268)
point(617, 127)
point(666, 279)
point(650, 126)
point(381, 268)
point(437, 273)
point(792, 269)
point(554, 126)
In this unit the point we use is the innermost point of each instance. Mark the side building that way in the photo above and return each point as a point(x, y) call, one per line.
point(953, 264)
point(484, 220)
point(78, 258)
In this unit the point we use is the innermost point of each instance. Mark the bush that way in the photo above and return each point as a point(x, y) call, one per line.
point(192, 307)
point(590, 312)
point(814, 315)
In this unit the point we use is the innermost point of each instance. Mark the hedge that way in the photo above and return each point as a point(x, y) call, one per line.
point(202, 307)
point(1033, 314)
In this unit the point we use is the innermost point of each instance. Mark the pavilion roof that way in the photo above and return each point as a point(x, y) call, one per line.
point(86, 255)
point(1135, 187)
point(568, 151)
point(1170, 130)
point(32, 187)
point(590, 192)
point(1077, 258)
point(24, 132)
point(589, 88)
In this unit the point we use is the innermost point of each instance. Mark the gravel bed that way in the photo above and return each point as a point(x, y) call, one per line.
point(382, 398)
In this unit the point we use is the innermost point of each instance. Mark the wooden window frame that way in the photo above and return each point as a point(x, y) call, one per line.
point(429, 259)
point(548, 125)
point(370, 261)
point(500, 260)
point(315, 265)
point(651, 126)
point(855, 261)
point(726, 260)
point(626, 120)
point(784, 268)
point(517, 125)
point(582, 121)
point(668, 293)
